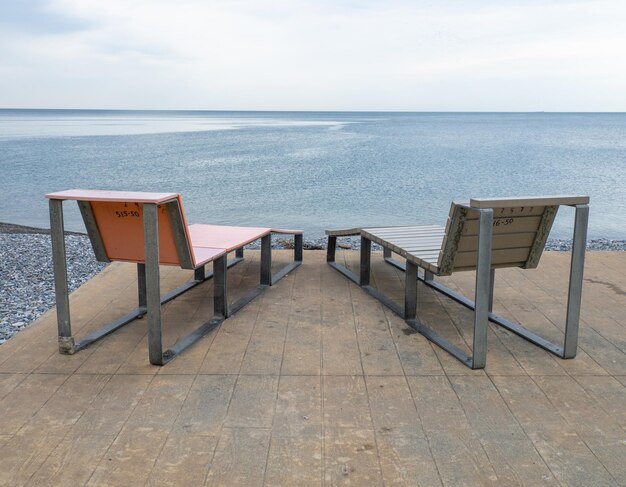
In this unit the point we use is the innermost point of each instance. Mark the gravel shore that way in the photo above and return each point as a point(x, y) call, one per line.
point(27, 281)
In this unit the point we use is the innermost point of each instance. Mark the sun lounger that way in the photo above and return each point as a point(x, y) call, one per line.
point(484, 235)
point(150, 229)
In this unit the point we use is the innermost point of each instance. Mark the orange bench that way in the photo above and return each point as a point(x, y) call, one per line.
point(151, 229)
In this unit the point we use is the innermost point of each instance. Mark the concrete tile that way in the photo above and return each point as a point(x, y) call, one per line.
point(253, 402)
point(351, 457)
point(184, 460)
point(294, 461)
point(240, 458)
point(205, 407)
point(346, 403)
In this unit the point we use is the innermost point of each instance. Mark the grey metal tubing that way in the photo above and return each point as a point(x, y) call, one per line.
point(266, 260)
point(494, 318)
point(396, 308)
point(366, 255)
point(93, 231)
point(410, 291)
point(331, 249)
point(574, 294)
point(153, 293)
point(345, 271)
point(386, 253)
point(109, 328)
point(453, 350)
point(482, 289)
point(199, 273)
point(141, 285)
point(148, 289)
point(57, 235)
point(192, 338)
point(298, 247)
point(220, 287)
point(492, 283)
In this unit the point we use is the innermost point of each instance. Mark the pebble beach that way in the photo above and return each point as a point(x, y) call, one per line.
point(27, 280)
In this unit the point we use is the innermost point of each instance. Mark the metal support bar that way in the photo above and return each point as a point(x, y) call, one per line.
point(239, 253)
point(386, 253)
point(57, 235)
point(153, 293)
point(410, 291)
point(366, 253)
point(266, 260)
point(482, 289)
point(220, 295)
point(141, 285)
point(492, 283)
point(199, 273)
point(331, 249)
point(298, 247)
point(574, 294)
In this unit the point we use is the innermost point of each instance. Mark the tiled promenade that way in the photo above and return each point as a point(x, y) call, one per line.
point(315, 383)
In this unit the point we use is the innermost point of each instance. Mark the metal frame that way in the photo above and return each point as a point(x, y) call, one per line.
point(484, 291)
point(148, 282)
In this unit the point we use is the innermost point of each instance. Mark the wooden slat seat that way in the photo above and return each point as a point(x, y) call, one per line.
point(481, 235)
point(149, 229)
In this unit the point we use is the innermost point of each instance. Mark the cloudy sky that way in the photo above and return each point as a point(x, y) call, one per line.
point(437, 55)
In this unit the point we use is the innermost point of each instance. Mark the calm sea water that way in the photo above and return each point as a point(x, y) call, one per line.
point(315, 170)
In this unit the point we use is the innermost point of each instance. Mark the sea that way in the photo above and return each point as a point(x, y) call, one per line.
point(315, 170)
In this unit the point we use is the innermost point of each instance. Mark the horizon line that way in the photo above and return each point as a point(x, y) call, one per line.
point(204, 110)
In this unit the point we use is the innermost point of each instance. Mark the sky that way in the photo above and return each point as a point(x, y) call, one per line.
point(344, 55)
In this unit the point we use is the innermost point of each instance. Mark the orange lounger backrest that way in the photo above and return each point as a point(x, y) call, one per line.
point(114, 221)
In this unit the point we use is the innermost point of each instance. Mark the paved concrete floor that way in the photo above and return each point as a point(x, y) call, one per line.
point(315, 383)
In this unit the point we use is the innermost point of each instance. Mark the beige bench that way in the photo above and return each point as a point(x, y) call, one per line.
point(481, 236)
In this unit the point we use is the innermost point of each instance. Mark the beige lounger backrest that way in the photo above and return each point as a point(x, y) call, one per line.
point(520, 229)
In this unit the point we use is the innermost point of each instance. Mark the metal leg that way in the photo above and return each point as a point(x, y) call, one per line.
point(483, 274)
point(220, 295)
point(141, 285)
point(366, 253)
point(266, 260)
point(199, 274)
point(576, 281)
point(57, 234)
point(153, 294)
point(386, 253)
point(492, 283)
point(410, 291)
point(428, 276)
point(239, 253)
point(298, 247)
point(332, 249)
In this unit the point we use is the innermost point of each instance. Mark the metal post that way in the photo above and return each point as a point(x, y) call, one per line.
point(576, 281)
point(266, 260)
point(366, 251)
point(239, 253)
point(332, 249)
point(199, 273)
point(298, 246)
point(410, 291)
point(141, 285)
point(428, 276)
point(57, 235)
point(386, 253)
point(220, 296)
point(492, 282)
point(483, 274)
point(153, 293)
